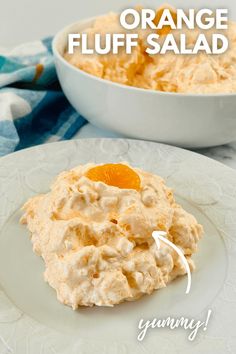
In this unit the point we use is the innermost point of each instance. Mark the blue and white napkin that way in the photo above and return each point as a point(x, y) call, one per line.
point(33, 109)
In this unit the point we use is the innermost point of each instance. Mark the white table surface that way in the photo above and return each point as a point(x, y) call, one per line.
point(225, 154)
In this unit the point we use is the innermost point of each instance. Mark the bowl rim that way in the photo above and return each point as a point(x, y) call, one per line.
point(56, 53)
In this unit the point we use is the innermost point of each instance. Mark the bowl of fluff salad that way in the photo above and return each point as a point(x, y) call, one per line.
point(184, 100)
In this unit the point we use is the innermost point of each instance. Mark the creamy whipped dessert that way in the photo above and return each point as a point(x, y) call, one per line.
point(94, 233)
point(199, 73)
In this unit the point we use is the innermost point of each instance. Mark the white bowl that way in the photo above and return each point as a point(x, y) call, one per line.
point(187, 120)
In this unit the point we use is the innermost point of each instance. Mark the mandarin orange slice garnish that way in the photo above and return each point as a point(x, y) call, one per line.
point(165, 29)
point(115, 174)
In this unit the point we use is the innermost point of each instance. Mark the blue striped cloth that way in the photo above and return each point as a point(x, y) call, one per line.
point(33, 109)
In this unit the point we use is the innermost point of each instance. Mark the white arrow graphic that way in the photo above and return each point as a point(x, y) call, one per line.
point(161, 235)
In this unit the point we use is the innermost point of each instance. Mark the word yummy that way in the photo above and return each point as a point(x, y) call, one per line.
point(160, 38)
point(191, 325)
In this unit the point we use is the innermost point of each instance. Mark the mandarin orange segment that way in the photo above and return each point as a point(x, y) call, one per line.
point(165, 29)
point(115, 174)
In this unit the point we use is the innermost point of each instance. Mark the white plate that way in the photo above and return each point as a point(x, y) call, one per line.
point(33, 321)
